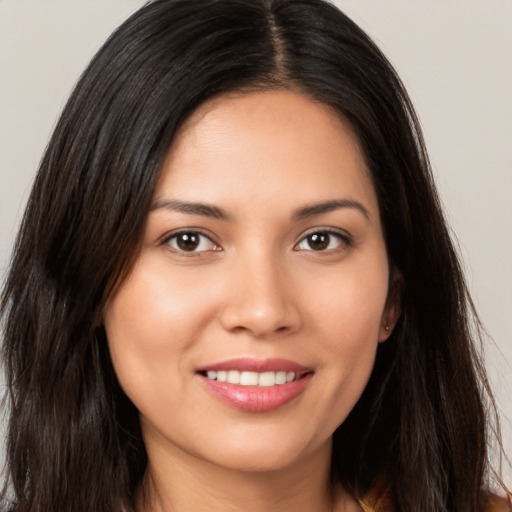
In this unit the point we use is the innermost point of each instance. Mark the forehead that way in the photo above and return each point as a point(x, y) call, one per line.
point(267, 145)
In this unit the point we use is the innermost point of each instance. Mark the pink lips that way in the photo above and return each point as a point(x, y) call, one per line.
point(257, 365)
point(256, 398)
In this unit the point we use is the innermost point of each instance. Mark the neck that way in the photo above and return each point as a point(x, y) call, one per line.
point(182, 482)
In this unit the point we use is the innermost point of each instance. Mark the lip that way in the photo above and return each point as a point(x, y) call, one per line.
point(245, 364)
point(256, 398)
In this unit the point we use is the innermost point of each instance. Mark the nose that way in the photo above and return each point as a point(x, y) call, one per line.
point(260, 299)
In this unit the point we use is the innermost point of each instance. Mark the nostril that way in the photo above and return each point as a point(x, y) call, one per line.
point(259, 315)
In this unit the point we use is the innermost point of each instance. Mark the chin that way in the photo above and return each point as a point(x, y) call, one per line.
point(265, 453)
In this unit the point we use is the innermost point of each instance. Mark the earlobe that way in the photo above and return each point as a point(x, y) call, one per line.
point(393, 307)
point(388, 325)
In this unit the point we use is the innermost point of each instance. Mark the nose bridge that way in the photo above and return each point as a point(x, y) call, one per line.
point(259, 299)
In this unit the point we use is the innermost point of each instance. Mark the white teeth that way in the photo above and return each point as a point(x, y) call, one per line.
point(264, 379)
point(233, 377)
point(280, 377)
point(249, 379)
point(267, 379)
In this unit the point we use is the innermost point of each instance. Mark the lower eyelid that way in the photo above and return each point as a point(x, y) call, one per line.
point(343, 240)
point(173, 237)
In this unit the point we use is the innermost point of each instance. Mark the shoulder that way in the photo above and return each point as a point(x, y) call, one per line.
point(499, 504)
point(379, 500)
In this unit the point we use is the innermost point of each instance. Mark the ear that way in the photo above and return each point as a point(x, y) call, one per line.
point(393, 306)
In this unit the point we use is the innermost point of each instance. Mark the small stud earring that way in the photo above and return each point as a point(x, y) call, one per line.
point(386, 327)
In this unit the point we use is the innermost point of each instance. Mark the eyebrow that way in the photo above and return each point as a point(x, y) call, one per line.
point(329, 206)
point(205, 210)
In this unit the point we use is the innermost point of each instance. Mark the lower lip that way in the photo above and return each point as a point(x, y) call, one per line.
point(256, 398)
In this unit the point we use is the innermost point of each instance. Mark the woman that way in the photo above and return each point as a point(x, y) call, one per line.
point(234, 288)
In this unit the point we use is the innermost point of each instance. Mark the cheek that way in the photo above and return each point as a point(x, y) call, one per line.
point(347, 318)
point(350, 301)
point(154, 306)
point(151, 322)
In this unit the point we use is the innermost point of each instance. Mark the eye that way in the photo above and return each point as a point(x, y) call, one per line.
point(191, 242)
point(323, 241)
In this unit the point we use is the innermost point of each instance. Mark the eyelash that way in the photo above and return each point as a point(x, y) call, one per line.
point(191, 232)
point(343, 239)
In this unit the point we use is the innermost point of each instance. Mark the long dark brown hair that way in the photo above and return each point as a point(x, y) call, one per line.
point(74, 442)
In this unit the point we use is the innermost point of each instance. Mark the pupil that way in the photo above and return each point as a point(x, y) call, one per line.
point(188, 241)
point(318, 241)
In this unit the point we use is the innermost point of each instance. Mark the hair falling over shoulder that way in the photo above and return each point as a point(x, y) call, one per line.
point(425, 421)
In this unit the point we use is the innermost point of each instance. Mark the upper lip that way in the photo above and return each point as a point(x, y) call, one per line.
point(244, 364)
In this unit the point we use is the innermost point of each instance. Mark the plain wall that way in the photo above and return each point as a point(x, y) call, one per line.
point(454, 56)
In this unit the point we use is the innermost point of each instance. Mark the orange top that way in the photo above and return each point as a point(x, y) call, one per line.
point(379, 500)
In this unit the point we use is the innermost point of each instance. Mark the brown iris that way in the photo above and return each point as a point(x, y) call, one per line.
point(319, 241)
point(188, 241)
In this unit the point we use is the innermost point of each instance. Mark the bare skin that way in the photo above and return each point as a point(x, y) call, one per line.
point(264, 242)
point(194, 487)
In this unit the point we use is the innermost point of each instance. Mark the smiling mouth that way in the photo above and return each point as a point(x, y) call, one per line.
point(256, 385)
point(256, 391)
point(248, 378)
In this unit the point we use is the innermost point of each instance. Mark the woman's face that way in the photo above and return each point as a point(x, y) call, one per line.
point(263, 263)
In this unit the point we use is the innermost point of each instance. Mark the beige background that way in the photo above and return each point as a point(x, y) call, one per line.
point(455, 57)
